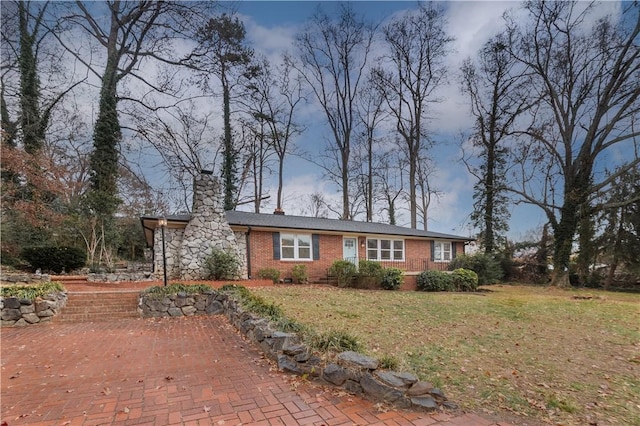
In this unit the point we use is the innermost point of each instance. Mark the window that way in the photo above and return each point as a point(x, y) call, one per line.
point(442, 251)
point(295, 246)
point(379, 249)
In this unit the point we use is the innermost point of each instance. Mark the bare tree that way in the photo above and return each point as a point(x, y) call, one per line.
point(316, 206)
point(389, 175)
point(409, 77)
point(586, 74)
point(184, 139)
point(334, 57)
point(425, 190)
point(279, 93)
point(132, 37)
point(259, 154)
point(494, 83)
point(370, 115)
point(222, 52)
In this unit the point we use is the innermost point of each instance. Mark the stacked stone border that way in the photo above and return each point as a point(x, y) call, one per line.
point(19, 312)
point(351, 371)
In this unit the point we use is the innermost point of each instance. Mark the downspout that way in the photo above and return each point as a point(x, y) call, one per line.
point(248, 240)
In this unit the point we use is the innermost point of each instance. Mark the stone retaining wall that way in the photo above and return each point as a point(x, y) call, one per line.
point(20, 312)
point(355, 373)
point(121, 276)
point(20, 278)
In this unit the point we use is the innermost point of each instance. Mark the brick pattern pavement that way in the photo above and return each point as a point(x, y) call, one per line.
point(188, 371)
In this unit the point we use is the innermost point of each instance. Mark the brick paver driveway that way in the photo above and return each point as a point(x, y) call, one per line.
point(189, 371)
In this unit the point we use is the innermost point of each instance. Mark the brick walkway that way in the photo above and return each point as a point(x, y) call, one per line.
point(189, 371)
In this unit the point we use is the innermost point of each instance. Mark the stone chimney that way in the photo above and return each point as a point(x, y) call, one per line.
point(279, 211)
point(207, 229)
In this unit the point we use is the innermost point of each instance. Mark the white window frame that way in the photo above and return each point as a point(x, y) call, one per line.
point(296, 247)
point(392, 249)
point(439, 248)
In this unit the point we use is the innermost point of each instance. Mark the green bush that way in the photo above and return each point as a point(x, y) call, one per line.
point(222, 265)
point(335, 341)
point(369, 268)
point(31, 292)
point(465, 280)
point(388, 362)
point(344, 271)
point(299, 274)
point(54, 259)
point(391, 278)
point(486, 266)
point(435, 281)
point(269, 274)
point(159, 291)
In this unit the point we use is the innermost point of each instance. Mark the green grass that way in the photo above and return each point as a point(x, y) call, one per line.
point(530, 351)
point(31, 292)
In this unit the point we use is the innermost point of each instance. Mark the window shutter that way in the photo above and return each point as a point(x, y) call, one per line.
point(315, 244)
point(453, 250)
point(433, 250)
point(276, 246)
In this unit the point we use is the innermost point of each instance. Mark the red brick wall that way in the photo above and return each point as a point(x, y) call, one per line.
point(261, 247)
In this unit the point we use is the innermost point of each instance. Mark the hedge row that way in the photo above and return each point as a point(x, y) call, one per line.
point(458, 280)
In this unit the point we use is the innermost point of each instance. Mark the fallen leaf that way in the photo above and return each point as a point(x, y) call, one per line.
point(206, 409)
point(106, 391)
point(126, 410)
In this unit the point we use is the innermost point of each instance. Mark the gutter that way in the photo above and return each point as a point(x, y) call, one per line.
point(248, 241)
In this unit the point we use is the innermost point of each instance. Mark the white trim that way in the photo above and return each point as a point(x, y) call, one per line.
point(357, 258)
point(296, 248)
point(442, 251)
point(391, 250)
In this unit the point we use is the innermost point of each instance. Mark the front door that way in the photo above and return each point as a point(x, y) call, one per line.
point(350, 250)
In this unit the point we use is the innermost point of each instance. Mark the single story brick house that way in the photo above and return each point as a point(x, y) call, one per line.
point(281, 241)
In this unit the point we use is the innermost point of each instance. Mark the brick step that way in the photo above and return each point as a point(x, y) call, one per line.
point(94, 317)
point(97, 306)
point(90, 297)
point(99, 309)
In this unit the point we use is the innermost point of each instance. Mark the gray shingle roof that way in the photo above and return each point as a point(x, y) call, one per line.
point(239, 218)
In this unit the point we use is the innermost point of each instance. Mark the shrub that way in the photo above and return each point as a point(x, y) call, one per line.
point(299, 274)
point(485, 265)
point(391, 278)
point(369, 268)
point(338, 341)
point(222, 265)
point(159, 291)
point(434, 281)
point(344, 271)
point(388, 362)
point(31, 292)
point(464, 280)
point(55, 259)
point(269, 274)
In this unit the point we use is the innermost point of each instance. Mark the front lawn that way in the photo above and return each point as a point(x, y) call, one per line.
point(566, 357)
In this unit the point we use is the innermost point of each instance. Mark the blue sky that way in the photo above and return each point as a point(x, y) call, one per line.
point(271, 28)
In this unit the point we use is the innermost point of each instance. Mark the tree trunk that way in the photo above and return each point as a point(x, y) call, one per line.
point(229, 154)
point(563, 242)
point(346, 215)
point(413, 208)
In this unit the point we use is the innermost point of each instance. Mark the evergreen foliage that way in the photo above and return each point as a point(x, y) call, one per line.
point(222, 265)
point(55, 259)
point(344, 271)
point(391, 278)
point(486, 266)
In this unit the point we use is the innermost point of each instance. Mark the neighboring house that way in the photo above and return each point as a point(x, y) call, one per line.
point(280, 241)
